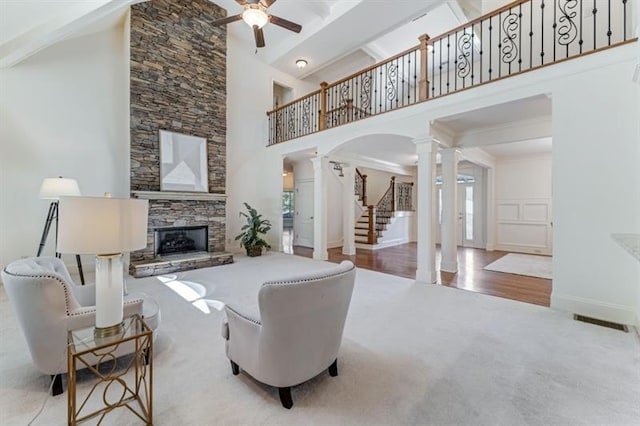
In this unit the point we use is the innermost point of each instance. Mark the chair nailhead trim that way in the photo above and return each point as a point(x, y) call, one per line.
point(306, 280)
point(62, 283)
point(243, 316)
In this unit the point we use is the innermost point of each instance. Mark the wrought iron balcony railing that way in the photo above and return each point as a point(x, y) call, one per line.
point(522, 36)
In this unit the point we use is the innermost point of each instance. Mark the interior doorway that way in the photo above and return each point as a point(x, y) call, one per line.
point(471, 223)
point(303, 217)
point(281, 95)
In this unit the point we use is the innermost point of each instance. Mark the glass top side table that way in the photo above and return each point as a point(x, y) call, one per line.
point(122, 367)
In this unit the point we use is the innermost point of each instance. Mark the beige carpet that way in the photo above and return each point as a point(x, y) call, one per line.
point(523, 264)
point(412, 354)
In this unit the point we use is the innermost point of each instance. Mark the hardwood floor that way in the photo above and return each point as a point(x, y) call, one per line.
point(401, 261)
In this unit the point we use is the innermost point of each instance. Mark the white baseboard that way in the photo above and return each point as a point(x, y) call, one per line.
point(334, 244)
point(523, 249)
point(595, 309)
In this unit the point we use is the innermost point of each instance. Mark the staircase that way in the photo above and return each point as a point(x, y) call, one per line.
point(375, 220)
point(362, 228)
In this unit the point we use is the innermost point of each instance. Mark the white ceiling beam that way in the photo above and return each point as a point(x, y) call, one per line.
point(510, 132)
point(323, 10)
point(77, 18)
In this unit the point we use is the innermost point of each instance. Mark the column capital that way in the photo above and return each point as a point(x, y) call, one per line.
point(449, 153)
point(319, 161)
point(426, 145)
point(423, 139)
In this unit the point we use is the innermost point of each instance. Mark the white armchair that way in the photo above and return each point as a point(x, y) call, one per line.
point(298, 332)
point(47, 304)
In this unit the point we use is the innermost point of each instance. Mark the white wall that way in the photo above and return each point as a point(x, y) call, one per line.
point(63, 112)
point(378, 183)
point(523, 204)
point(401, 230)
point(596, 191)
point(254, 172)
point(596, 180)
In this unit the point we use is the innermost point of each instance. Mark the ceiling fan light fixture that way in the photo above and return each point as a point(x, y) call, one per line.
point(255, 16)
point(301, 63)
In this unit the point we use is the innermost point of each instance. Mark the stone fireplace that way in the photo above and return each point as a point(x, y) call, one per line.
point(178, 84)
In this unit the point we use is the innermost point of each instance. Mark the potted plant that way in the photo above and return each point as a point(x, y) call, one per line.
point(250, 237)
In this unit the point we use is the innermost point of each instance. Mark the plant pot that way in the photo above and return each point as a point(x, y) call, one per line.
point(254, 251)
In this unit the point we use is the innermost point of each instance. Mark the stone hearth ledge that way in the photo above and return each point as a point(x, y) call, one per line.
point(178, 262)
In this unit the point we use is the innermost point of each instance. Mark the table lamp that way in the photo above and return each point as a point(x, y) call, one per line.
point(106, 227)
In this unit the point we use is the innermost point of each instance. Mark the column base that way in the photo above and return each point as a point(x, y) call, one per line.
point(490, 247)
point(349, 251)
point(426, 276)
point(451, 267)
point(320, 255)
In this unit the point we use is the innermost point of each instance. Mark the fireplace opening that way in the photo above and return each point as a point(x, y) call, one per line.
point(176, 240)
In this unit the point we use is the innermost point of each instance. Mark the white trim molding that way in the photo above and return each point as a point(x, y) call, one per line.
point(595, 309)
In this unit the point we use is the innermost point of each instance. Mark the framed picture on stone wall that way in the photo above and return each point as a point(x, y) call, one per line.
point(183, 163)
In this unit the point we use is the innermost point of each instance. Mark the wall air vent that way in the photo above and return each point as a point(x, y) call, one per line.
point(601, 323)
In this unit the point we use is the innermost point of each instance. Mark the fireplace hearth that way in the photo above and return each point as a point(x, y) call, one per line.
point(179, 240)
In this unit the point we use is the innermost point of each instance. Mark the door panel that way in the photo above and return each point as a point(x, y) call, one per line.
point(303, 220)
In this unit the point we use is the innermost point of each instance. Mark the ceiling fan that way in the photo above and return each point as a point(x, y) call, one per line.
point(256, 16)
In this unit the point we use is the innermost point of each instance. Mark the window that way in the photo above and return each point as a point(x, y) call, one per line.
point(287, 209)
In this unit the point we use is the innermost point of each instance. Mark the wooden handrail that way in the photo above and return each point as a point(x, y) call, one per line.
point(470, 69)
point(363, 196)
point(389, 192)
point(376, 65)
point(288, 104)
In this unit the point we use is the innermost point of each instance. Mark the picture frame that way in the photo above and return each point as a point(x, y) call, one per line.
point(183, 162)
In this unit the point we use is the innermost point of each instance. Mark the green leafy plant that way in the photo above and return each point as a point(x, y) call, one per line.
point(250, 237)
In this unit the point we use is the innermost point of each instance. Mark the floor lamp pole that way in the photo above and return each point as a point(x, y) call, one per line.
point(51, 216)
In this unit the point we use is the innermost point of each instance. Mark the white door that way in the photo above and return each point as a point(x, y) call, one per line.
point(465, 232)
point(303, 219)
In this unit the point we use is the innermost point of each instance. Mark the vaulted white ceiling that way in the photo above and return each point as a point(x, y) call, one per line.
point(340, 37)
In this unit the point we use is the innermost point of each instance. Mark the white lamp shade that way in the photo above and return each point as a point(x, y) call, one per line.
point(255, 16)
point(96, 225)
point(54, 188)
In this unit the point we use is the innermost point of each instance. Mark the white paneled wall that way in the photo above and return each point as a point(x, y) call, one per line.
point(524, 225)
point(523, 204)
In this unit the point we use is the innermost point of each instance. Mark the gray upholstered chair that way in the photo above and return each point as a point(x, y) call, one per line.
point(297, 333)
point(47, 304)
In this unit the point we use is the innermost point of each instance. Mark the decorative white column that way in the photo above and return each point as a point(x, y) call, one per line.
point(449, 241)
point(425, 190)
point(320, 208)
point(348, 210)
point(491, 210)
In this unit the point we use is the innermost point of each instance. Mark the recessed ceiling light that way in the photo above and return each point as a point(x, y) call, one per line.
point(301, 63)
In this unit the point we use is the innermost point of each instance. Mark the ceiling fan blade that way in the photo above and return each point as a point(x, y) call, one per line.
point(291, 26)
point(259, 36)
point(227, 20)
point(267, 3)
